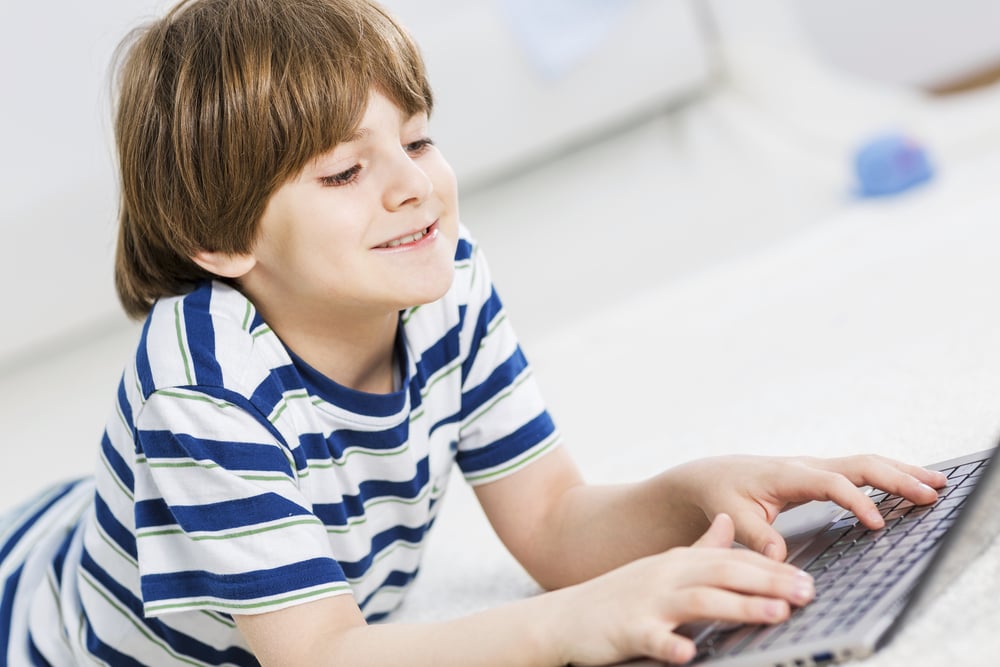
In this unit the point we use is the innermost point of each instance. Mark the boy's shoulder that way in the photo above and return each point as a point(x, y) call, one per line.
point(209, 337)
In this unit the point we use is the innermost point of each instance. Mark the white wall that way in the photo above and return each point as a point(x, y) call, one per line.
point(907, 42)
point(496, 109)
point(57, 198)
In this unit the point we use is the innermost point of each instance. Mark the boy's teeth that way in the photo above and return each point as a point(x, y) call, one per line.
point(406, 239)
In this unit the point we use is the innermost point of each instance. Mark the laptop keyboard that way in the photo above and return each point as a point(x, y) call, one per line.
point(858, 567)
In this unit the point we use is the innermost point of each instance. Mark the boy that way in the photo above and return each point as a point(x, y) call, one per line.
point(322, 342)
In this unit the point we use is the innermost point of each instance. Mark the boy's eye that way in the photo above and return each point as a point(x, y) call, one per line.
point(343, 178)
point(419, 146)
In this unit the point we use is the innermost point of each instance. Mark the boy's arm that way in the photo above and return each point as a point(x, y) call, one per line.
point(565, 531)
point(629, 612)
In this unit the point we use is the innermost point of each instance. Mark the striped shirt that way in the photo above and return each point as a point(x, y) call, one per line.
point(235, 479)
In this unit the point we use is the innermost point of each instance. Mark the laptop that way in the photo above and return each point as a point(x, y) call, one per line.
point(868, 583)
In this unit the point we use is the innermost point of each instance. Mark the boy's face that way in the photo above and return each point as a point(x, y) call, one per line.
point(371, 226)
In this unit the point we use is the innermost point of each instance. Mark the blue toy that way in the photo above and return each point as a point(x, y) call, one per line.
point(890, 164)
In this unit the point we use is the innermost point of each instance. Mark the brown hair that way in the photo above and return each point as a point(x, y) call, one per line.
point(222, 101)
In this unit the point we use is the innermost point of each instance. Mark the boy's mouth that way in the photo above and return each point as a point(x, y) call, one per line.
point(409, 238)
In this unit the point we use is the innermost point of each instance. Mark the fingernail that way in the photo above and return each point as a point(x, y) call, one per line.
point(774, 610)
point(875, 517)
point(681, 654)
point(804, 592)
point(771, 550)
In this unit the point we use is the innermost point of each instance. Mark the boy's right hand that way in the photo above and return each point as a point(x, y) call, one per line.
point(634, 610)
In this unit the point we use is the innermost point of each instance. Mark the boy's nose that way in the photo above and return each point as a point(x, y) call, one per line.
point(409, 184)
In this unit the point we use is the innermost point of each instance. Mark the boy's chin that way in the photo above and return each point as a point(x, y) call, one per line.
point(432, 290)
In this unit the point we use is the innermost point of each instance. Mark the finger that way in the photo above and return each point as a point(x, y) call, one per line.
point(748, 573)
point(720, 534)
point(932, 478)
point(754, 532)
point(656, 640)
point(914, 483)
point(698, 603)
point(837, 486)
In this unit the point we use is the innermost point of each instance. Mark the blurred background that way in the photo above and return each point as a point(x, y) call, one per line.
point(606, 148)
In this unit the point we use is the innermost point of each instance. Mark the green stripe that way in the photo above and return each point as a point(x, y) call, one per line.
point(486, 408)
point(343, 530)
point(188, 396)
point(138, 626)
point(546, 446)
point(207, 465)
point(247, 316)
point(474, 263)
point(283, 405)
point(180, 342)
point(262, 331)
point(440, 375)
point(233, 535)
point(219, 619)
point(115, 547)
point(121, 416)
point(409, 314)
point(114, 476)
point(497, 321)
point(338, 588)
point(341, 462)
point(385, 554)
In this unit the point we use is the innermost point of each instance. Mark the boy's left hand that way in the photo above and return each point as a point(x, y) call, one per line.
point(753, 490)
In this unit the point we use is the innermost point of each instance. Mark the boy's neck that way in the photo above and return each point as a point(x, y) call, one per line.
point(356, 353)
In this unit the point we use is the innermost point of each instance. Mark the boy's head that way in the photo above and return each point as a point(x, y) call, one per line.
point(222, 101)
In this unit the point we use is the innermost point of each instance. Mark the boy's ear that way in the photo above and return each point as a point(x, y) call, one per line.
point(223, 264)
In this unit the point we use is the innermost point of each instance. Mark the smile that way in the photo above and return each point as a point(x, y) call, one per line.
point(409, 239)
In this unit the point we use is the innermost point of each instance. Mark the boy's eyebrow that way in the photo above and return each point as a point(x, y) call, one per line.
point(356, 135)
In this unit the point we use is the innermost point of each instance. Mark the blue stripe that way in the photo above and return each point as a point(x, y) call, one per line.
point(301, 374)
point(110, 656)
point(143, 369)
point(259, 410)
point(463, 250)
point(505, 449)
point(200, 333)
point(124, 405)
point(6, 607)
point(338, 514)
point(220, 516)
point(445, 421)
point(28, 522)
point(500, 379)
point(118, 533)
point(357, 569)
point(269, 392)
point(121, 469)
point(489, 310)
point(37, 659)
point(230, 455)
point(257, 321)
point(179, 641)
point(59, 558)
point(342, 440)
point(394, 578)
point(318, 448)
point(439, 355)
point(243, 586)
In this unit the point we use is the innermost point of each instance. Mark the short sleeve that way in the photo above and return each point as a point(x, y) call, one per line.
point(504, 422)
point(219, 518)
